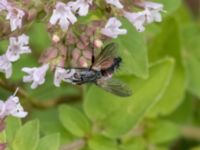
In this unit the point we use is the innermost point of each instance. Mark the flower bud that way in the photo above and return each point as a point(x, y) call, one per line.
point(98, 43)
point(55, 38)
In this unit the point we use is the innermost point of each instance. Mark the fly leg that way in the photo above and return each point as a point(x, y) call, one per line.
point(93, 57)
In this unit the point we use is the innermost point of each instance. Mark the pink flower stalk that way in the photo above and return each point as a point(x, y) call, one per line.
point(80, 6)
point(112, 28)
point(63, 15)
point(35, 75)
point(3, 146)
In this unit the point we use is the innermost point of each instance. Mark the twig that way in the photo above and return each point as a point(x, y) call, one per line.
point(76, 145)
point(191, 132)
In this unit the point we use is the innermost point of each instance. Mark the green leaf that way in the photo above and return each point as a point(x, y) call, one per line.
point(115, 116)
point(49, 142)
point(162, 131)
point(74, 120)
point(167, 43)
point(99, 142)
point(27, 137)
point(50, 124)
point(12, 125)
point(191, 38)
point(39, 38)
point(133, 51)
point(134, 144)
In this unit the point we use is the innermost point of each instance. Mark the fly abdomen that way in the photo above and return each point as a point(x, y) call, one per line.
point(112, 68)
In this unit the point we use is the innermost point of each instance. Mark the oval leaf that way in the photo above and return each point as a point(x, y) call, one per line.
point(27, 137)
point(74, 120)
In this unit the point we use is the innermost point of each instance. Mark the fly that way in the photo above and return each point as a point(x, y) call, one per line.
point(100, 72)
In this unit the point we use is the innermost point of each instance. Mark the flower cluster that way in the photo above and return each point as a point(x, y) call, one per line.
point(18, 45)
point(64, 15)
point(76, 43)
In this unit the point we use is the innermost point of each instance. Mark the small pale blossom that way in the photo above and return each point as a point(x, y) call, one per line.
point(5, 66)
point(116, 3)
point(17, 46)
point(62, 74)
point(80, 6)
point(36, 75)
point(4, 5)
point(15, 16)
point(152, 11)
point(12, 107)
point(137, 19)
point(112, 28)
point(63, 15)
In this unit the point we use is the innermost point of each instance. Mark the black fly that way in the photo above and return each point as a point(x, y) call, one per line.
point(100, 72)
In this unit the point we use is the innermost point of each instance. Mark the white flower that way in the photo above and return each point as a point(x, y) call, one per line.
point(35, 75)
point(12, 107)
point(112, 28)
point(15, 16)
point(62, 74)
point(116, 3)
point(4, 5)
point(152, 11)
point(17, 46)
point(5, 66)
point(63, 15)
point(149, 15)
point(82, 6)
point(137, 19)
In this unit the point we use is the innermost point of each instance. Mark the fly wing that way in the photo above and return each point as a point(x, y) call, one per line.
point(105, 58)
point(115, 86)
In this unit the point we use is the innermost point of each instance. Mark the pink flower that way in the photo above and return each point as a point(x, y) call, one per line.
point(80, 6)
point(18, 45)
point(15, 16)
point(112, 28)
point(5, 66)
point(35, 75)
point(116, 3)
point(63, 15)
point(12, 107)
